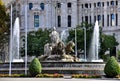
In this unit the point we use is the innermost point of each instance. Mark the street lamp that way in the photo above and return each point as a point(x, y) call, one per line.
point(84, 42)
point(10, 50)
point(26, 39)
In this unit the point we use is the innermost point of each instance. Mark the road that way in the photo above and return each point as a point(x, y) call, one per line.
point(53, 79)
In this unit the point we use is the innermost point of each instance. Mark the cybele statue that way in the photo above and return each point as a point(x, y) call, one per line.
point(57, 50)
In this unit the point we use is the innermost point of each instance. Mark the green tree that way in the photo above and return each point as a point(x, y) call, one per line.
point(106, 41)
point(4, 26)
point(112, 67)
point(35, 67)
point(80, 35)
point(36, 41)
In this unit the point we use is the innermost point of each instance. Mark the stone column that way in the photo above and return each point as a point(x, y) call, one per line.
point(63, 15)
point(118, 13)
point(48, 15)
point(92, 13)
point(105, 15)
point(74, 14)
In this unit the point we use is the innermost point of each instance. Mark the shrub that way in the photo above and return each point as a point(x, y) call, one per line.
point(112, 68)
point(35, 67)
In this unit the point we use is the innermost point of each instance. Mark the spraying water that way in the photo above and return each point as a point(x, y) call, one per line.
point(94, 46)
point(16, 40)
point(64, 35)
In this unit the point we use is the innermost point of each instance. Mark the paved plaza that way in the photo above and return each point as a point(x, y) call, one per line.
point(53, 79)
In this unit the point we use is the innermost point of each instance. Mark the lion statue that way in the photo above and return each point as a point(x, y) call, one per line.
point(69, 47)
point(59, 49)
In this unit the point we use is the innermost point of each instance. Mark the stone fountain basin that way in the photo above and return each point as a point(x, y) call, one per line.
point(58, 67)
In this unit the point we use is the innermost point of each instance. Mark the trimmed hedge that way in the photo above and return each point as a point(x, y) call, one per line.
point(35, 67)
point(112, 68)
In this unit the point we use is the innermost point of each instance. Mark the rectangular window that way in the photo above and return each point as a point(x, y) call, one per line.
point(90, 5)
point(99, 20)
point(103, 20)
point(112, 20)
point(94, 4)
point(86, 19)
point(82, 5)
point(82, 19)
point(86, 5)
point(94, 18)
point(112, 3)
point(59, 21)
point(30, 6)
point(99, 4)
point(99, 17)
point(36, 20)
point(90, 20)
point(59, 5)
point(69, 21)
point(116, 19)
point(42, 6)
point(107, 3)
point(116, 2)
point(107, 20)
point(103, 4)
point(69, 5)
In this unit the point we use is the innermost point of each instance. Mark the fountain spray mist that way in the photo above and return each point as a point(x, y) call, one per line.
point(16, 40)
point(94, 46)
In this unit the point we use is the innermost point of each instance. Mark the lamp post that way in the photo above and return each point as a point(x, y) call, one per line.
point(84, 42)
point(26, 39)
point(75, 41)
point(10, 50)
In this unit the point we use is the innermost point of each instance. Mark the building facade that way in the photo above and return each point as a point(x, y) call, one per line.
point(66, 14)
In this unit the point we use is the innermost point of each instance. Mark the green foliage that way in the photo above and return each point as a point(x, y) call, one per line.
point(106, 57)
point(35, 67)
point(4, 26)
point(36, 41)
point(118, 55)
point(80, 35)
point(107, 42)
point(112, 68)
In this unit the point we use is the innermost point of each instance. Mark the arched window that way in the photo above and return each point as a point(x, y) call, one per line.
point(112, 3)
point(30, 6)
point(69, 5)
point(42, 6)
point(59, 5)
point(86, 5)
point(69, 20)
point(99, 4)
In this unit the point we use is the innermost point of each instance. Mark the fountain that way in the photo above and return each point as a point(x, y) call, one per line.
point(94, 46)
point(16, 42)
point(60, 58)
point(57, 50)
